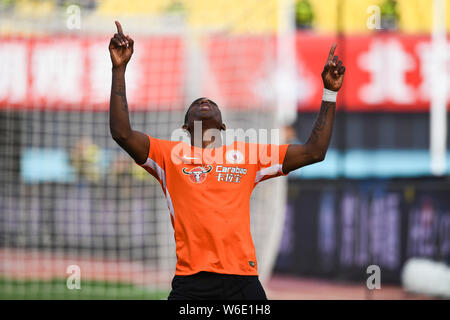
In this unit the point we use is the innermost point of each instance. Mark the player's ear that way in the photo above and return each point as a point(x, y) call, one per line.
point(184, 127)
point(223, 127)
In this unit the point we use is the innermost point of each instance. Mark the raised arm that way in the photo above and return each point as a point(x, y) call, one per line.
point(314, 150)
point(134, 142)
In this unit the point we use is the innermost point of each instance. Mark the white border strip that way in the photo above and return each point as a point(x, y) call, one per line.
point(162, 176)
point(269, 171)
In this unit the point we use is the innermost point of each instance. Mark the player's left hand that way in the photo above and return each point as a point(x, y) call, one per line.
point(333, 72)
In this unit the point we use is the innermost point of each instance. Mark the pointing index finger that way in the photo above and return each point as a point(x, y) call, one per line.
point(119, 27)
point(331, 54)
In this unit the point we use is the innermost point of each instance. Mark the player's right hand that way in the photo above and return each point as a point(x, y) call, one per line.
point(120, 48)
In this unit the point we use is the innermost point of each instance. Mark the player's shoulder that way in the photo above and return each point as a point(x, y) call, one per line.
point(251, 145)
point(163, 142)
point(166, 146)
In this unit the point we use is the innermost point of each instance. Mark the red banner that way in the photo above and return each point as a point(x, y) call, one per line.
point(386, 72)
point(75, 73)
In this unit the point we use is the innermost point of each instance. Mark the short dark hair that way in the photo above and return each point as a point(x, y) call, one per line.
point(186, 115)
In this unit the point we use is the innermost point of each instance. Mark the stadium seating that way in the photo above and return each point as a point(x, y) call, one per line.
point(415, 16)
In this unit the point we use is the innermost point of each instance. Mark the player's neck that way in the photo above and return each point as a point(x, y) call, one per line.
point(208, 140)
point(207, 143)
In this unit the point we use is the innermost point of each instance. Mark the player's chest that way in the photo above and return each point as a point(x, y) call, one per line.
point(213, 175)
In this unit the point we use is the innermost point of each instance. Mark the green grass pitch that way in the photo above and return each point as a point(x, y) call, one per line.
point(56, 289)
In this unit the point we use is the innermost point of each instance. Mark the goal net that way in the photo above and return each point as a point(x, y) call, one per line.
point(78, 219)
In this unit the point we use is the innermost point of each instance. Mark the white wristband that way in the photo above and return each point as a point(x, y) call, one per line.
point(329, 95)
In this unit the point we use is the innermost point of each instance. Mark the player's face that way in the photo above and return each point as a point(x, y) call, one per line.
point(204, 109)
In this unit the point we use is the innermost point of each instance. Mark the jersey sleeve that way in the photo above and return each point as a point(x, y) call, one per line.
point(155, 164)
point(270, 161)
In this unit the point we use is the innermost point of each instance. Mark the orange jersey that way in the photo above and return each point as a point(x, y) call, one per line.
point(208, 195)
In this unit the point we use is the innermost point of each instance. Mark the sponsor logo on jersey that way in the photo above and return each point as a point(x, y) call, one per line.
point(198, 174)
point(230, 174)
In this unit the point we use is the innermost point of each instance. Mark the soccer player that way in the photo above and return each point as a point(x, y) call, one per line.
point(209, 200)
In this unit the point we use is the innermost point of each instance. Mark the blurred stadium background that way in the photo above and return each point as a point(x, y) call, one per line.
point(70, 196)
